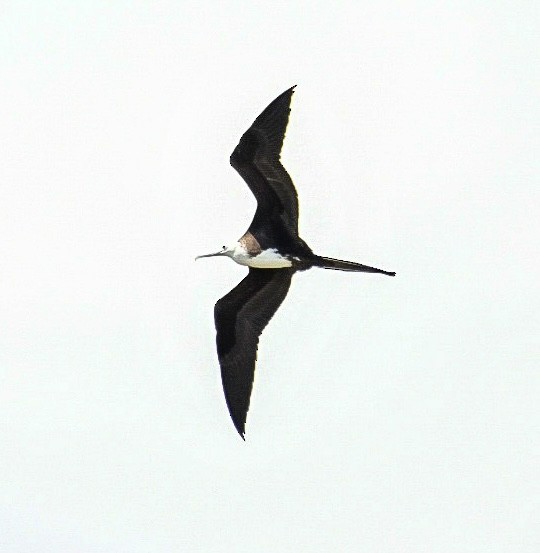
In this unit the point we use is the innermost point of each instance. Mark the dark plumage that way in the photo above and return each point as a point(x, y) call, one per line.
point(240, 318)
point(242, 314)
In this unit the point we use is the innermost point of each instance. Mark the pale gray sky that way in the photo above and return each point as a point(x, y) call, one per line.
point(389, 415)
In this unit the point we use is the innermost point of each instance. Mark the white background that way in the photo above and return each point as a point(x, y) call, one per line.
point(388, 415)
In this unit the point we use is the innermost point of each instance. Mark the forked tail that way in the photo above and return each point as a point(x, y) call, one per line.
point(339, 265)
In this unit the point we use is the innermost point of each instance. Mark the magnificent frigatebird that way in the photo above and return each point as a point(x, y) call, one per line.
point(272, 250)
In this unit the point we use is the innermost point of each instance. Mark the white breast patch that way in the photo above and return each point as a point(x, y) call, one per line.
point(267, 259)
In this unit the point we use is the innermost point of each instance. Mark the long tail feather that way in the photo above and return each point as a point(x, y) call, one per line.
point(340, 265)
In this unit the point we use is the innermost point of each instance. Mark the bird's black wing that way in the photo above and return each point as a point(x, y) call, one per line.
point(257, 159)
point(240, 317)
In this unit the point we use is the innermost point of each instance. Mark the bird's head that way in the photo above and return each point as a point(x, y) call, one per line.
point(225, 250)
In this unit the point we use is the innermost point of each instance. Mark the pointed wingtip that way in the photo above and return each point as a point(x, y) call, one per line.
point(241, 431)
point(239, 423)
point(287, 93)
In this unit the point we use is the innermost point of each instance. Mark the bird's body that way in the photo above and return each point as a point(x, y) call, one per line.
point(265, 259)
point(272, 250)
point(247, 251)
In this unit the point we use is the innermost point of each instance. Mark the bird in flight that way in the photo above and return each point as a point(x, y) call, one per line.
point(272, 250)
